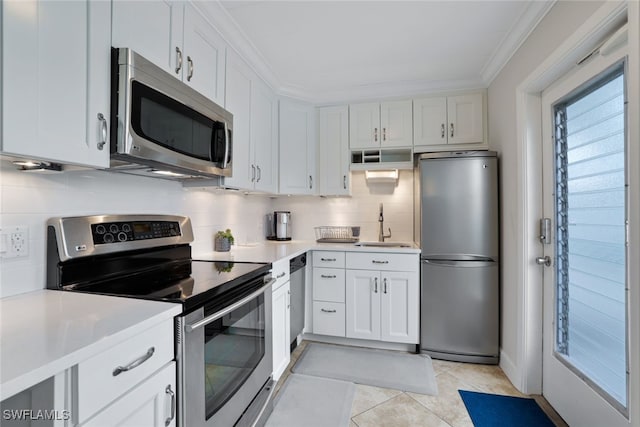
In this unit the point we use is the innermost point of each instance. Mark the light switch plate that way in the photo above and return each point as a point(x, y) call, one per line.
point(14, 241)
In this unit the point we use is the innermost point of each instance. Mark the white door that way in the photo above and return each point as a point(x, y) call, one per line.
point(396, 120)
point(204, 51)
point(399, 307)
point(430, 121)
point(264, 127)
point(465, 114)
point(281, 319)
point(333, 150)
point(153, 29)
point(585, 358)
point(297, 148)
point(363, 304)
point(364, 125)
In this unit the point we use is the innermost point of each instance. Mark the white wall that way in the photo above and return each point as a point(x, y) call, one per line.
point(361, 209)
point(561, 21)
point(30, 199)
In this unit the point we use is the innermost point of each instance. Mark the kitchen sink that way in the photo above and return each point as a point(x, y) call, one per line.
point(385, 244)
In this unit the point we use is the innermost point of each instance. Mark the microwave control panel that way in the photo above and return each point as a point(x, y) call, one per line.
point(128, 231)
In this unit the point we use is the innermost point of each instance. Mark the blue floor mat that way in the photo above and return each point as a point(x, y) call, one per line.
point(494, 410)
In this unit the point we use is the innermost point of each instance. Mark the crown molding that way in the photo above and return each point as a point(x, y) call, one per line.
point(520, 31)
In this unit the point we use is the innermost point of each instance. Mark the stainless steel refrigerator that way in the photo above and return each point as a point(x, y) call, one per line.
point(458, 230)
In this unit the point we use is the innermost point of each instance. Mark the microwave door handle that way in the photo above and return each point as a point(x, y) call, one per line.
point(215, 316)
point(225, 162)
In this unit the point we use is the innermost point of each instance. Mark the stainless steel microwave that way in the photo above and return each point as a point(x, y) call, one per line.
point(162, 127)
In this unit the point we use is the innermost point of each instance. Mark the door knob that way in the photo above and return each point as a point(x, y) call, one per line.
point(544, 260)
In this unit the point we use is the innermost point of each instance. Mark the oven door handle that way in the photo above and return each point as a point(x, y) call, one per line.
point(232, 307)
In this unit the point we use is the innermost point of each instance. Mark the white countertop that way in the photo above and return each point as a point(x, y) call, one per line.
point(43, 333)
point(271, 251)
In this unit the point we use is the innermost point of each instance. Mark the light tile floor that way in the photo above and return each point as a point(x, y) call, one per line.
point(377, 407)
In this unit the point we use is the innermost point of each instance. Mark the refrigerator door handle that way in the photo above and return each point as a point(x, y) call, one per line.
point(457, 264)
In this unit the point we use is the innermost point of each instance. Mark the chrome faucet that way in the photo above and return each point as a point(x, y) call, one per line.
point(381, 235)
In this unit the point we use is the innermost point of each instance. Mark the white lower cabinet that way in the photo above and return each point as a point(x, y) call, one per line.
point(281, 309)
point(130, 384)
point(152, 403)
point(281, 317)
point(376, 297)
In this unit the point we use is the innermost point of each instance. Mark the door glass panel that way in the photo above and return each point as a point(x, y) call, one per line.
point(233, 347)
point(591, 313)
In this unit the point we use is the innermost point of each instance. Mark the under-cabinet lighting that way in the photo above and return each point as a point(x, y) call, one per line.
point(35, 166)
point(381, 176)
point(168, 173)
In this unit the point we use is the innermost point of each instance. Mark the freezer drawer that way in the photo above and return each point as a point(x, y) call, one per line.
point(460, 310)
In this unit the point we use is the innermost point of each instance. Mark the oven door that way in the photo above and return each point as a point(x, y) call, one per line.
point(225, 357)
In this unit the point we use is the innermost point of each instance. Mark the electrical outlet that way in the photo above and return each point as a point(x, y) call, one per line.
point(14, 242)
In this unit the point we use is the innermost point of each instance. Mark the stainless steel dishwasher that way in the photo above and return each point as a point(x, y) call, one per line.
point(297, 266)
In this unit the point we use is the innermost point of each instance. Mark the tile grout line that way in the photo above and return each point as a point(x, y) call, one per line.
point(429, 409)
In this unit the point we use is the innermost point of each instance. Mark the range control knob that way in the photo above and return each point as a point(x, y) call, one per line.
point(113, 228)
point(108, 238)
point(173, 232)
point(126, 228)
point(100, 229)
point(122, 237)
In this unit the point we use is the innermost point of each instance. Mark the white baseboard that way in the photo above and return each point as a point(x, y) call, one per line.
point(360, 343)
point(511, 371)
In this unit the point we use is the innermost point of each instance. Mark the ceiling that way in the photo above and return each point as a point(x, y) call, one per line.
point(329, 51)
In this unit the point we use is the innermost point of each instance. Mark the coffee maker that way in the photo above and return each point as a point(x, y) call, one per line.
point(279, 225)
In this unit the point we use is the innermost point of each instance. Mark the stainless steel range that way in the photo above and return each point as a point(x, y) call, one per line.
point(223, 336)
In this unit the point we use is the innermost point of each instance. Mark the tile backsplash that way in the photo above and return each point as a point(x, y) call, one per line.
point(361, 209)
point(29, 199)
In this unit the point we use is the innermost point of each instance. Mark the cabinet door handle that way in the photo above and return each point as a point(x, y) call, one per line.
point(344, 181)
point(375, 285)
point(379, 262)
point(442, 131)
point(190, 64)
point(178, 60)
point(281, 275)
point(328, 276)
point(452, 130)
point(328, 259)
point(103, 131)
point(324, 310)
point(259, 173)
point(173, 405)
point(384, 281)
point(310, 182)
point(253, 173)
point(375, 134)
point(139, 361)
point(384, 134)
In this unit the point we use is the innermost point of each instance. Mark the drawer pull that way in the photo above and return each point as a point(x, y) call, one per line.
point(328, 259)
point(324, 310)
point(139, 361)
point(325, 276)
point(281, 275)
point(380, 262)
point(173, 405)
point(385, 285)
point(375, 289)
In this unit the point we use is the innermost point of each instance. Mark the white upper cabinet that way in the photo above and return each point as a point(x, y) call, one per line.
point(175, 36)
point(449, 120)
point(238, 102)
point(255, 126)
point(56, 109)
point(381, 125)
point(333, 149)
point(297, 148)
point(264, 136)
point(205, 54)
